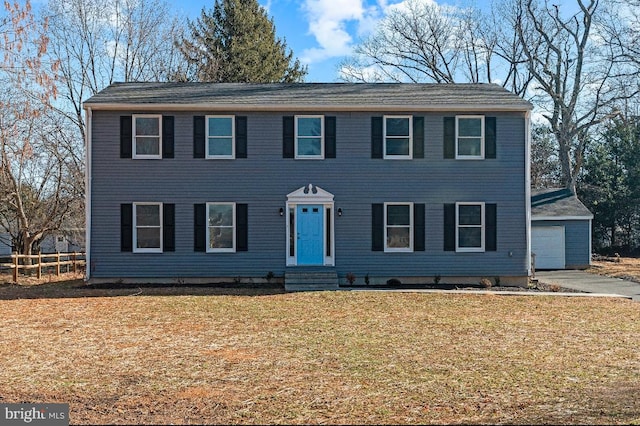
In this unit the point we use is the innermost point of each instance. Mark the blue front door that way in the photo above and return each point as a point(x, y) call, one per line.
point(309, 231)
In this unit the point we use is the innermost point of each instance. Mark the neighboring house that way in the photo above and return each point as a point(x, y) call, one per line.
point(64, 241)
point(5, 244)
point(560, 230)
point(205, 182)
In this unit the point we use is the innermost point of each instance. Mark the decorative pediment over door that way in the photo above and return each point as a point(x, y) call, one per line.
point(310, 195)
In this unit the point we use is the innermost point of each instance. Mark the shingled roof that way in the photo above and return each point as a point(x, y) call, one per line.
point(308, 96)
point(557, 203)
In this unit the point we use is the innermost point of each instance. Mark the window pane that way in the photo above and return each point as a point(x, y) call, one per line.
point(147, 215)
point(397, 146)
point(147, 126)
point(147, 146)
point(398, 237)
point(309, 126)
point(470, 127)
point(221, 237)
point(470, 215)
point(470, 237)
point(398, 215)
point(220, 146)
point(469, 146)
point(148, 237)
point(292, 232)
point(309, 146)
point(220, 126)
point(397, 127)
point(220, 215)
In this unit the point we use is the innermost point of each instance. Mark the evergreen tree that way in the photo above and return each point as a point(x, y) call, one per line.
point(236, 43)
point(610, 186)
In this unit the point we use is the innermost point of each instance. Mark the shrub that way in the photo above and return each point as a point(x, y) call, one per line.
point(486, 283)
point(351, 278)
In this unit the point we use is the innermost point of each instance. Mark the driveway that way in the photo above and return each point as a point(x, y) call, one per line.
point(590, 283)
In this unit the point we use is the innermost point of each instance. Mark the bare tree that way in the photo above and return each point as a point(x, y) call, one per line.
point(545, 167)
point(424, 42)
point(577, 74)
point(99, 42)
point(416, 43)
point(33, 201)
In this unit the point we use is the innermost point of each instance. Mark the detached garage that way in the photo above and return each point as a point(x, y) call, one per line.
point(560, 230)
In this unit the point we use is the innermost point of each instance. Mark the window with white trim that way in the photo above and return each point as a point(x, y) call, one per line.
point(147, 225)
point(470, 137)
point(309, 131)
point(398, 137)
point(398, 227)
point(147, 139)
point(470, 227)
point(221, 227)
point(220, 131)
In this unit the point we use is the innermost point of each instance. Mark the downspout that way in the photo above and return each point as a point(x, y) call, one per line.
point(87, 189)
point(527, 184)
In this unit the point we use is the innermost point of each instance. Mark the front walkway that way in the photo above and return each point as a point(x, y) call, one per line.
point(590, 283)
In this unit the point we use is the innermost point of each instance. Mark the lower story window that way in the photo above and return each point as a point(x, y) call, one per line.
point(470, 227)
point(398, 226)
point(148, 227)
point(221, 227)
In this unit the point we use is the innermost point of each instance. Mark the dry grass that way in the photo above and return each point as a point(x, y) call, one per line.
point(627, 268)
point(242, 356)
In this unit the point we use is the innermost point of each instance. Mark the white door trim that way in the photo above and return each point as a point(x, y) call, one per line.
point(310, 195)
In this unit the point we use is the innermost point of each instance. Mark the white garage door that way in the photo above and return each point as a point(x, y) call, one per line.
point(547, 242)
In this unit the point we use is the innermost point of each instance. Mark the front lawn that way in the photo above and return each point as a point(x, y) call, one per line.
point(332, 357)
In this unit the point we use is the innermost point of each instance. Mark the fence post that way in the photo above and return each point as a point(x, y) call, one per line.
point(15, 267)
point(73, 262)
point(57, 264)
point(39, 265)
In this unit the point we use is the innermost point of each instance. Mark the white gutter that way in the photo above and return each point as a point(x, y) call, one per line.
point(87, 189)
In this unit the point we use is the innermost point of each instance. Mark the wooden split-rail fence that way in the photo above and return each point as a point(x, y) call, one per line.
point(49, 263)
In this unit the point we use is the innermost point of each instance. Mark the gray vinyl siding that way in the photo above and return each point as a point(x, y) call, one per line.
point(264, 179)
point(576, 241)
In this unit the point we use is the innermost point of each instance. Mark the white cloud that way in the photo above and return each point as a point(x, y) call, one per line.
point(335, 24)
point(328, 20)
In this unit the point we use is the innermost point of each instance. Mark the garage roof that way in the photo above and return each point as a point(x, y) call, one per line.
point(557, 204)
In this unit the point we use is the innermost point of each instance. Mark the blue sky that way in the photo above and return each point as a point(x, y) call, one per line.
point(320, 32)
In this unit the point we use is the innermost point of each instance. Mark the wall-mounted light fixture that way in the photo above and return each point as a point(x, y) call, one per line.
point(339, 212)
point(281, 211)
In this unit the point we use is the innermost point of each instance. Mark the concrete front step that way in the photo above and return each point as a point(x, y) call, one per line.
point(310, 281)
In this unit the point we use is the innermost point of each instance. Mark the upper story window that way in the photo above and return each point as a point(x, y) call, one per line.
point(398, 136)
point(147, 140)
point(309, 133)
point(220, 131)
point(147, 225)
point(221, 227)
point(470, 227)
point(470, 137)
point(398, 227)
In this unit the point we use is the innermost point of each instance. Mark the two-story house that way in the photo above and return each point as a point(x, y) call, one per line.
point(206, 182)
